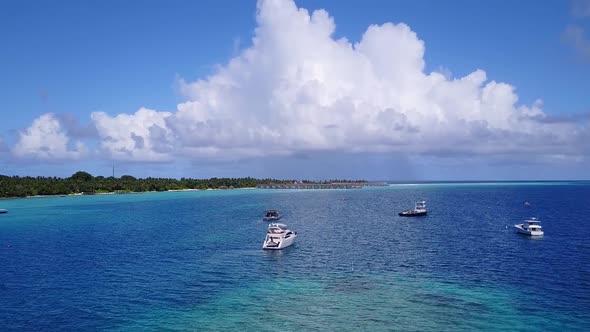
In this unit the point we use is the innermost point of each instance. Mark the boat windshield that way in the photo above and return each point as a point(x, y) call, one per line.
point(277, 228)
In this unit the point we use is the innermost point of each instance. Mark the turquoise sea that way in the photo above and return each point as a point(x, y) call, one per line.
point(192, 261)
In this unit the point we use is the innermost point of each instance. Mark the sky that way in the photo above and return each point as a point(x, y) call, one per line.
point(377, 90)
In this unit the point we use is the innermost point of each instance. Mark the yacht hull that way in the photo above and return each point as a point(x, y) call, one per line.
point(412, 213)
point(521, 230)
point(282, 243)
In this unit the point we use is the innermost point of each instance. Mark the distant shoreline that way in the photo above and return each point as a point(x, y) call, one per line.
point(285, 184)
point(389, 184)
point(129, 192)
point(85, 183)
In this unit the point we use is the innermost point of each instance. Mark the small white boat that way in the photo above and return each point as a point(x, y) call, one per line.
point(3, 211)
point(419, 210)
point(531, 227)
point(278, 236)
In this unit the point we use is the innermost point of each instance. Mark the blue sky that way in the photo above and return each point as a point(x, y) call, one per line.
point(75, 58)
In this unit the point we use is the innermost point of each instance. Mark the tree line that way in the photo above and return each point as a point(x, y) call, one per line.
point(83, 182)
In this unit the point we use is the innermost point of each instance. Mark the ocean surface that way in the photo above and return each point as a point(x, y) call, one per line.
point(192, 261)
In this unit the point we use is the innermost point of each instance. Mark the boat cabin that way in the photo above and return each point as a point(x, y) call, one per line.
point(420, 206)
point(277, 228)
point(532, 224)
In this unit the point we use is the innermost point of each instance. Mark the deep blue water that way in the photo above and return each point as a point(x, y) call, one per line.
point(193, 260)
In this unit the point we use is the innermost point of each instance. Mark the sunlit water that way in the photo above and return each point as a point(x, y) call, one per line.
point(193, 261)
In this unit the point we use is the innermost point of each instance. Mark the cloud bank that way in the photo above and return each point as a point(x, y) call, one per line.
point(45, 139)
point(297, 89)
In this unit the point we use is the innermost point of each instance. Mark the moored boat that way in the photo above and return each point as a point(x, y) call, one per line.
point(531, 227)
point(272, 215)
point(278, 236)
point(419, 210)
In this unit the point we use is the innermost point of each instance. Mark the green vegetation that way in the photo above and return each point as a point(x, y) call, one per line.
point(82, 182)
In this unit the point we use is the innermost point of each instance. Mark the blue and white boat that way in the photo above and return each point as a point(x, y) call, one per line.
point(419, 210)
point(531, 227)
point(3, 211)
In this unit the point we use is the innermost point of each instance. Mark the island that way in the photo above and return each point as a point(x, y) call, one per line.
point(83, 183)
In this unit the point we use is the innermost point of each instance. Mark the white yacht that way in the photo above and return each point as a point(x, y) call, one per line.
point(419, 210)
point(278, 236)
point(530, 227)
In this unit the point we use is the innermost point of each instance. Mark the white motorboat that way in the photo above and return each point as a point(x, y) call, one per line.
point(419, 210)
point(531, 227)
point(278, 236)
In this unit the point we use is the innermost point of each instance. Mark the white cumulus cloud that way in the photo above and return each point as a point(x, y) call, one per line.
point(297, 89)
point(142, 136)
point(46, 139)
